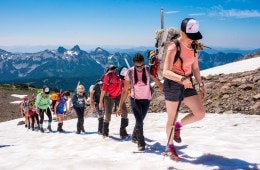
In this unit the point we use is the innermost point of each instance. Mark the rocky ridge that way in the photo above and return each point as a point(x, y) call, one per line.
point(226, 93)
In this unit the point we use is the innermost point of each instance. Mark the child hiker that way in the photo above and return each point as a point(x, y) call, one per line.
point(43, 106)
point(59, 109)
point(79, 101)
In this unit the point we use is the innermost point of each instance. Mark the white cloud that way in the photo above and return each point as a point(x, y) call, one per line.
point(236, 13)
point(171, 12)
point(197, 14)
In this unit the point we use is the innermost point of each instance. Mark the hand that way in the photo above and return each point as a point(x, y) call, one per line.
point(118, 112)
point(92, 106)
point(100, 106)
point(202, 92)
point(187, 84)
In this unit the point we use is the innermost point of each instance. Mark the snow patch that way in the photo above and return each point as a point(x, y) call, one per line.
point(235, 67)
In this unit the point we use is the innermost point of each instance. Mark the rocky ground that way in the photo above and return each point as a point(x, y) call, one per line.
point(232, 93)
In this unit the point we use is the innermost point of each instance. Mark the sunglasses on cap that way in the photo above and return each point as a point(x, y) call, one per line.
point(141, 66)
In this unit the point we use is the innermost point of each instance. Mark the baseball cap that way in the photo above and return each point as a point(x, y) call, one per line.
point(190, 27)
point(112, 67)
point(46, 90)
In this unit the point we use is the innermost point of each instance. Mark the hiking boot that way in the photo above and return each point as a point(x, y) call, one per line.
point(49, 128)
point(123, 132)
point(59, 129)
point(140, 138)
point(105, 129)
point(173, 154)
point(177, 137)
point(77, 132)
point(100, 125)
point(41, 129)
point(141, 147)
point(134, 138)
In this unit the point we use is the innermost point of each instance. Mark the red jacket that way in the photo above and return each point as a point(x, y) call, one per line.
point(112, 85)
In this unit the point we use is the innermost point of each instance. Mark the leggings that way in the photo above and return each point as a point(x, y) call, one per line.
point(48, 113)
point(139, 108)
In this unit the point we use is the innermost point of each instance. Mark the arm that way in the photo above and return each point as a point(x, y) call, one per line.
point(55, 107)
point(91, 96)
point(157, 82)
point(101, 99)
point(196, 72)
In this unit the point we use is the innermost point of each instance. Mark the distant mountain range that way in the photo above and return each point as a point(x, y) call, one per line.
point(63, 68)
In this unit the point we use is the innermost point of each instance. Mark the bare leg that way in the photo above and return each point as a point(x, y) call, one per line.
point(171, 111)
point(197, 110)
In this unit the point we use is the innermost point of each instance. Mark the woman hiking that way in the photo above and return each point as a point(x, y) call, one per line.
point(178, 83)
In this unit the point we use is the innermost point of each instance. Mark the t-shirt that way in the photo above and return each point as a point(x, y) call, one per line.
point(140, 90)
point(187, 56)
point(78, 101)
point(61, 106)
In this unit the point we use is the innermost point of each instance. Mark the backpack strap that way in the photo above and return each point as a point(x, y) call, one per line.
point(178, 52)
point(130, 75)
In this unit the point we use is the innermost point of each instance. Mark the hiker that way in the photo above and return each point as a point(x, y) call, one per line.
point(138, 80)
point(32, 114)
point(59, 109)
point(178, 85)
point(94, 103)
point(110, 94)
point(43, 105)
point(79, 101)
point(24, 110)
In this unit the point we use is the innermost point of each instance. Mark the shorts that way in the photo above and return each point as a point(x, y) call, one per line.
point(175, 92)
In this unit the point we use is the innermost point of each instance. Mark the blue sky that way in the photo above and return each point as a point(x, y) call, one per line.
point(125, 23)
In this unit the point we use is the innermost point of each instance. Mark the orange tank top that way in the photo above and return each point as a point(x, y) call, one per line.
point(187, 56)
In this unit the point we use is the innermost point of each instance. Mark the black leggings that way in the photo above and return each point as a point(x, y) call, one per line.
point(80, 114)
point(139, 108)
point(48, 113)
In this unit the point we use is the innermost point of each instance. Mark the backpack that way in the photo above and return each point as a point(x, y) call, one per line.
point(163, 38)
point(97, 92)
point(130, 75)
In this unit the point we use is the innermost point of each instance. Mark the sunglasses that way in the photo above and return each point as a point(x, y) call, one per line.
point(141, 66)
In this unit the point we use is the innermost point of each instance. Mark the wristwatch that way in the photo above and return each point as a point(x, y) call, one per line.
point(201, 84)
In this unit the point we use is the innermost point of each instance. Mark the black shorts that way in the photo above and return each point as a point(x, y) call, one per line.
point(174, 91)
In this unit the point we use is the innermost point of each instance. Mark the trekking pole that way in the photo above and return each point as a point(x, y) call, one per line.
point(175, 118)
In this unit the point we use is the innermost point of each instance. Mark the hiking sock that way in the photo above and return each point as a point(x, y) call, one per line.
point(177, 131)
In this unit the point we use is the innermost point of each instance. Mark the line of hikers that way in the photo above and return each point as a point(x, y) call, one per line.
point(181, 62)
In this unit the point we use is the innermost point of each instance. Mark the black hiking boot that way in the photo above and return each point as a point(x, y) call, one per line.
point(140, 138)
point(123, 132)
point(105, 129)
point(41, 129)
point(100, 125)
point(49, 128)
point(59, 129)
point(134, 138)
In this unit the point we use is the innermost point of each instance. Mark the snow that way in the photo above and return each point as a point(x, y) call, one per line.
point(20, 96)
point(239, 66)
point(219, 141)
